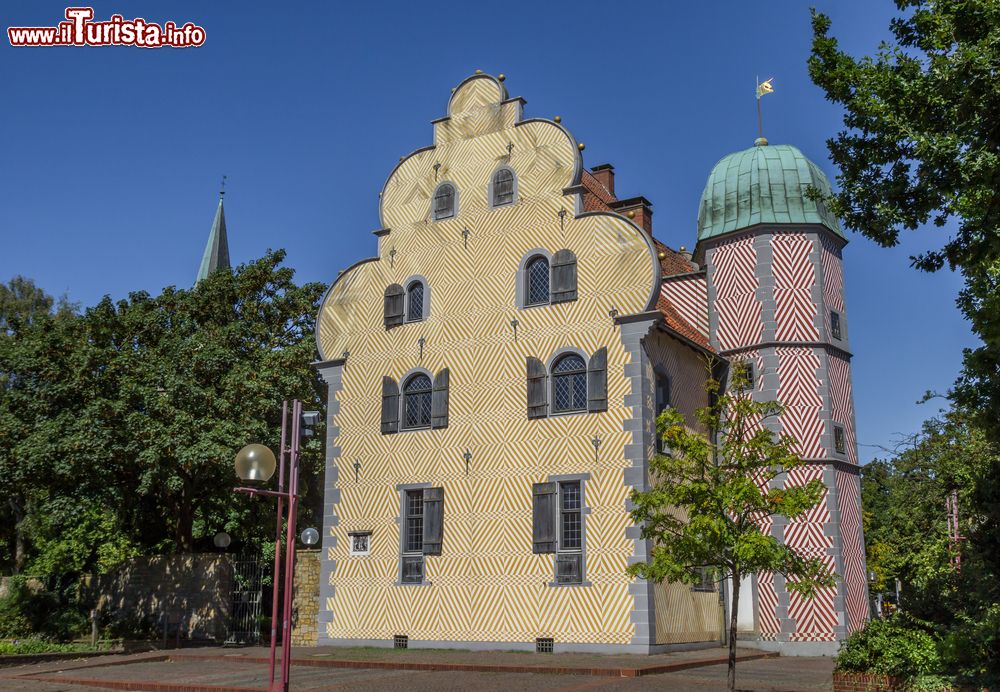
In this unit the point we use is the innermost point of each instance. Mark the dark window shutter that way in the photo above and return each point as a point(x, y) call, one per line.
point(544, 501)
point(439, 400)
point(393, 306)
point(433, 520)
point(563, 276)
point(537, 385)
point(569, 568)
point(597, 381)
point(390, 406)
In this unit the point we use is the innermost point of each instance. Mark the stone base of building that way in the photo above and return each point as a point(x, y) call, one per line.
point(794, 648)
point(557, 646)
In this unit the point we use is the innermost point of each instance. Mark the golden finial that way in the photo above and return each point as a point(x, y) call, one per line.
point(631, 214)
point(581, 146)
point(662, 254)
point(479, 71)
point(501, 76)
point(558, 118)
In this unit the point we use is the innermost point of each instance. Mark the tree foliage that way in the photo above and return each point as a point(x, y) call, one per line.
point(709, 496)
point(922, 144)
point(906, 535)
point(118, 427)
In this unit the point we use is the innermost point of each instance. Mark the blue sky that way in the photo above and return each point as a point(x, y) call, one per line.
point(111, 157)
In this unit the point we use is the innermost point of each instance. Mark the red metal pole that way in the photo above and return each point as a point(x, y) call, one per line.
point(293, 494)
point(277, 546)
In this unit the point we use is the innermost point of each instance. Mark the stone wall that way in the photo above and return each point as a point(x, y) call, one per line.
point(305, 600)
point(195, 590)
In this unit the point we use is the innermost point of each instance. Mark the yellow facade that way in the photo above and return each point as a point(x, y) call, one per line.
point(486, 585)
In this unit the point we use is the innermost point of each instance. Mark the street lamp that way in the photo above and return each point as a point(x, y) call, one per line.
point(256, 463)
point(222, 540)
point(310, 536)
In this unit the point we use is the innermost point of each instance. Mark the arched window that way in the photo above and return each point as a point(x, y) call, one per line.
point(503, 187)
point(417, 402)
point(569, 384)
point(415, 302)
point(444, 201)
point(537, 281)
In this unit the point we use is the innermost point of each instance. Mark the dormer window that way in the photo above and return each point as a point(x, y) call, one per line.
point(502, 191)
point(444, 201)
point(537, 279)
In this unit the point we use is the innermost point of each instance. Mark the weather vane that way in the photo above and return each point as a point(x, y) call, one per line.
point(764, 87)
point(222, 188)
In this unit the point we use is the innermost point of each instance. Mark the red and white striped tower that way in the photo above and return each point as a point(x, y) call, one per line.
point(775, 295)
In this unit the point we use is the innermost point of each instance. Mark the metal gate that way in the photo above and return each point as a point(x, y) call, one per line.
point(251, 581)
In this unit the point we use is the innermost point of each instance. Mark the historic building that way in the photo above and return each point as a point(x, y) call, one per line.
point(494, 376)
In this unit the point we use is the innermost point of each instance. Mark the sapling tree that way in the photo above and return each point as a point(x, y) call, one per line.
point(710, 494)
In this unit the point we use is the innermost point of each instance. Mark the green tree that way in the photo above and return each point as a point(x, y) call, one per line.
point(922, 144)
point(192, 376)
point(37, 344)
point(708, 497)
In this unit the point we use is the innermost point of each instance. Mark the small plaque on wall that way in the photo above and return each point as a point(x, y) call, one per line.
point(360, 542)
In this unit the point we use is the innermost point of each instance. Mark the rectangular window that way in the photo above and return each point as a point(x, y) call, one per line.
point(744, 369)
point(360, 542)
point(414, 521)
point(569, 559)
point(835, 324)
point(839, 443)
point(662, 404)
point(707, 582)
point(413, 537)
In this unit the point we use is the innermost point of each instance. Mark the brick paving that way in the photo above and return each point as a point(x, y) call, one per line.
point(322, 669)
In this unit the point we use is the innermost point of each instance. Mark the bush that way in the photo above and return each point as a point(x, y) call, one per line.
point(28, 610)
point(890, 647)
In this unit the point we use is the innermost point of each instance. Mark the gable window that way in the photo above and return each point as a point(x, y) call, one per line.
point(415, 302)
point(835, 324)
point(503, 187)
point(423, 405)
point(569, 384)
point(839, 444)
point(444, 201)
point(417, 402)
point(537, 281)
point(576, 385)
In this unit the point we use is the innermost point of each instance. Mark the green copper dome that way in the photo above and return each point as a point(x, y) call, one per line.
point(763, 184)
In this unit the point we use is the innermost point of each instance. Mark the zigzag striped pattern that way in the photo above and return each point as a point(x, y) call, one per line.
point(848, 490)
point(690, 296)
point(794, 278)
point(798, 391)
point(736, 303)
point(767, 620)
point(843, 402)
point(486, 585)
point(815, 618)
point(833, 279)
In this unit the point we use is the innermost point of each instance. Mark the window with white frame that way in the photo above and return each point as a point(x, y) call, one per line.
point(360, 542)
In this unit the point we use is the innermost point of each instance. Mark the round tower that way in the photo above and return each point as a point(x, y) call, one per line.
point(773, 258)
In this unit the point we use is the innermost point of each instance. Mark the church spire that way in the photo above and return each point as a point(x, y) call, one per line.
point(217, 250)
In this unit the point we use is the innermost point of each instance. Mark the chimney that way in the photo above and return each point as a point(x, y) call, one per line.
point(605, 174)
point(639, 211)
